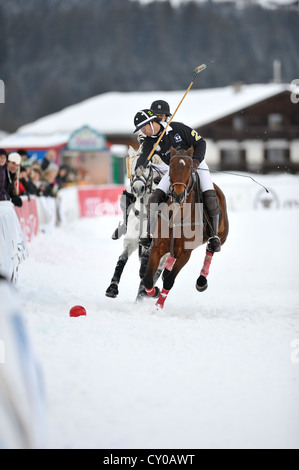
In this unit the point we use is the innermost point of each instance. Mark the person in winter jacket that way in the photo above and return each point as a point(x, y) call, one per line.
point(27, 186)
point(49, 158)
point(7, 187)
point(48, 186)
point(4, 196)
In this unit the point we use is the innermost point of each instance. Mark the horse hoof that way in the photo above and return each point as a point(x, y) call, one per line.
point(201, 283)
point(157, 294)
point(112, 291)
point(143, 294)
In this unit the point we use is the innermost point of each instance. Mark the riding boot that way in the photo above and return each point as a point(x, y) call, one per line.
point(126, 200)
point(211, 203)
point(214, 243)
point(155, 199)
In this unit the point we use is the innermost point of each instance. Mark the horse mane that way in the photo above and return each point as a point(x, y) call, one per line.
point(134, 154)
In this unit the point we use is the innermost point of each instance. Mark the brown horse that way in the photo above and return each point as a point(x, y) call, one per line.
point(182, 226)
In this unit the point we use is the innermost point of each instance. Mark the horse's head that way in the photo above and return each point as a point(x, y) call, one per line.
point(143, 183)
point(180, 174)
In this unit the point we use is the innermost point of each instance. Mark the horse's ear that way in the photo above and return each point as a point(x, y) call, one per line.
point(172, 151)
point(190, 151)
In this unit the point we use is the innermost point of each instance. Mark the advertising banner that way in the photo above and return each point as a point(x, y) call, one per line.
point(100, 201)
point(28, 218)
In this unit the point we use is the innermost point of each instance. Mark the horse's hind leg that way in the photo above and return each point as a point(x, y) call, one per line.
point(202, 283)
point(143, 257)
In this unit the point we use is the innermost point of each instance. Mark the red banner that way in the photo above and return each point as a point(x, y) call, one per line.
point(28, 218)
point(100, 201)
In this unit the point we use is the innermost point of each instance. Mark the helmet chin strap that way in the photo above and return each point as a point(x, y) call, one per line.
point(152, 127)
point(154, 134)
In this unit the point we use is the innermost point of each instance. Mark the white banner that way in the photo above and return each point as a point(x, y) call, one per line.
point(13, 247)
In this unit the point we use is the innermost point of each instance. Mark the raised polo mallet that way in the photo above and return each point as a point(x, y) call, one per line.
point(196, 72)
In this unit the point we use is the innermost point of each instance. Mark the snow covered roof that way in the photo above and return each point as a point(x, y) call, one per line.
point(26, 141)
point(112, 113)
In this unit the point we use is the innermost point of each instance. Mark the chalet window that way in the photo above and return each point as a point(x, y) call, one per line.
point(275, 121)
point(233, 158)
point(277, 155)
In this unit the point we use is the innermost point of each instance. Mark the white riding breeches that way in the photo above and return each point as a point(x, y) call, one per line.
point(205, 179)
point(160, 168)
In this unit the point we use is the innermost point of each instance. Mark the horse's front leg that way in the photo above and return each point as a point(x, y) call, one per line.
point(169, 277)
point(152, 266)
point(112, 290)
point(130, 247)
point(202, 283)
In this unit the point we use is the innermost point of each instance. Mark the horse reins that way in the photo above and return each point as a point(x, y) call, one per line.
point(148, 187)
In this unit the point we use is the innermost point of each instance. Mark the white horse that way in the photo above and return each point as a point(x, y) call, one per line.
point(141, 188)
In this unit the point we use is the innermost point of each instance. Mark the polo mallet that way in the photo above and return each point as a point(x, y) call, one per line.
point(128, 165)
point(196, 71)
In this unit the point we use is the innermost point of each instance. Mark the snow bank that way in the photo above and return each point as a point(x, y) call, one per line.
point(218, 369)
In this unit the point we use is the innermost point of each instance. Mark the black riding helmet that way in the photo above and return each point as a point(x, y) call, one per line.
point(160, 107)
point(143, 117)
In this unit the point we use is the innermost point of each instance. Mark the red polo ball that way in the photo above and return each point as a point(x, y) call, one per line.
point(77, 311)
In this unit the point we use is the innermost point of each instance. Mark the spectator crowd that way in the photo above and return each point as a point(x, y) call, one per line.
point(20, 175)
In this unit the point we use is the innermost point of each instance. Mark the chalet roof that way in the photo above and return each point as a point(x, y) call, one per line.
point(112, 113)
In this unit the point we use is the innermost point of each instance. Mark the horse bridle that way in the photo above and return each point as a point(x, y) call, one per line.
point(187, 186)
point(144, 180)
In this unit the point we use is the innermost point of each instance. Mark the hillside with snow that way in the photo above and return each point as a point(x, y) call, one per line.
point(76, 50)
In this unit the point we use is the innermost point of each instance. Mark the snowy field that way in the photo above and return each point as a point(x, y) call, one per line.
point(212, 370)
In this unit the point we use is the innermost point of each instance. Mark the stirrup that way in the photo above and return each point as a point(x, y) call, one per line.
point(214, 244)
point(119, 231)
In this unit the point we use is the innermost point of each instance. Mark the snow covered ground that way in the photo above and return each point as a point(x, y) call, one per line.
point(218, 369)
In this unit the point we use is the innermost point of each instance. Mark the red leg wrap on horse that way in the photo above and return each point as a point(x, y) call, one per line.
point(206, 265)
point(151, 291)
point(169, 263)
point(162, 298)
